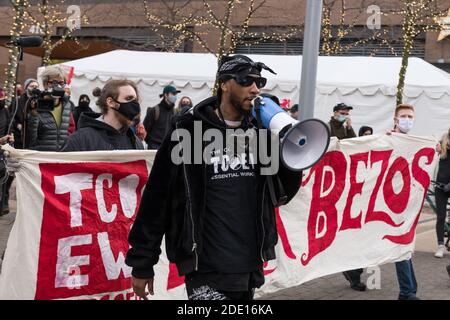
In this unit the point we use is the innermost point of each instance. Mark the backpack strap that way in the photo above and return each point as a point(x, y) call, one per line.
point(157, 113)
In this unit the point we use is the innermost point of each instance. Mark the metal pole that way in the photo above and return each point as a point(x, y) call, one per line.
point(311, 42)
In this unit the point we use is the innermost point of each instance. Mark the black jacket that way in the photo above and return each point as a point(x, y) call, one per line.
point(19, 119)
point(95, 135)
point(157, 129)
point(77, 113)
point(43, 134)
point(443, 175)
point(5, 119)
point(173, 204)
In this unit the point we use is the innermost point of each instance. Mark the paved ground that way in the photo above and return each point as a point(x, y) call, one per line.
point(431, 275)
point(6, 223)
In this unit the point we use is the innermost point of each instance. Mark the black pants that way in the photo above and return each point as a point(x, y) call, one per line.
point(441, 211)
point(354, 276)
point(4, 196)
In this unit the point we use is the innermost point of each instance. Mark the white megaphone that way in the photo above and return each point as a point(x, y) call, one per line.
point(302, 143)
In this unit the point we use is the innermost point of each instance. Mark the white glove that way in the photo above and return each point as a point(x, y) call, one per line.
point(12, 164)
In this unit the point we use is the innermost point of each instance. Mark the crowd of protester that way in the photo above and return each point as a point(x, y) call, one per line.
point(45, 119)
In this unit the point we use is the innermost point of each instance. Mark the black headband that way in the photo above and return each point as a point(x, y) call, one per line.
point(237, 64)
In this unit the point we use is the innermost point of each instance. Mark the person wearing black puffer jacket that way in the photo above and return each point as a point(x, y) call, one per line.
point(110, 130)
point(217, 214)
point(50, 118)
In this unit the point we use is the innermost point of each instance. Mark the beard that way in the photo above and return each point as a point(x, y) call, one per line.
point(237, 105)
point(123, 120)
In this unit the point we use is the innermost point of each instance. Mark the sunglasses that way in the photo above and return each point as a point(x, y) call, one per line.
point(56, 82)
point(247, 81)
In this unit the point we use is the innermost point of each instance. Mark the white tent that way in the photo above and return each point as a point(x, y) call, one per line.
point(366, 83)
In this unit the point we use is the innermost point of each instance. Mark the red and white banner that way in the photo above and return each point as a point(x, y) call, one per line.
point(74, 213)
point(358, 207)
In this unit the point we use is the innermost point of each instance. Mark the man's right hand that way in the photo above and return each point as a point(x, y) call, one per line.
point(139, 286)
point(348, 122)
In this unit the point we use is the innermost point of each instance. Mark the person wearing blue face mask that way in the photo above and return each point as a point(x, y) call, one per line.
point(341, 123)
point(157, 119)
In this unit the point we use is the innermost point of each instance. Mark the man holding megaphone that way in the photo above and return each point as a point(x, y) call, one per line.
point(214, 206)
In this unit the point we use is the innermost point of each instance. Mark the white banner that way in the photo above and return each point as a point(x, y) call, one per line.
point(358, 207)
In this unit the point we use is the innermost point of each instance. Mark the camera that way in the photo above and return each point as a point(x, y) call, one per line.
point(46, 99)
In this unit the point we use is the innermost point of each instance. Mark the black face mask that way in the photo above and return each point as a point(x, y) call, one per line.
point(129, 110)
point(84, 104)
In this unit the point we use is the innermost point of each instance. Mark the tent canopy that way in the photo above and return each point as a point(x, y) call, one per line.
point(342, 73)
point(367, 83)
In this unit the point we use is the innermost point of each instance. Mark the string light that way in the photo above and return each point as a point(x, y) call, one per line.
point(188, 27)
point(231, 35)
point(15, 32)
point(419, 16)
point(48, 18)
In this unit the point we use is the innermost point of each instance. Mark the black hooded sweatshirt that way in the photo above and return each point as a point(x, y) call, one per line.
point(96, 135)
point(176, 202)
point(157, 123)
point(78, 111)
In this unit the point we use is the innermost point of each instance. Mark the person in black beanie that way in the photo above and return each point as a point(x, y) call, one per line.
point(83, 107)
point(20, 115)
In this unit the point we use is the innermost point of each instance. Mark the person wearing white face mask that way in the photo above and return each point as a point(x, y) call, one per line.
point(157, 119)
point(341, 123)
point(404, 118)
point(403, 123)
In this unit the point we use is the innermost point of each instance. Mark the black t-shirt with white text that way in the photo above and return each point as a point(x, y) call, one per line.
point(230, 242)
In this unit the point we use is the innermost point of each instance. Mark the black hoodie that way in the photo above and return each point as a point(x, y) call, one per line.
point(157, 123)
point(174, 204)
point(95, 135)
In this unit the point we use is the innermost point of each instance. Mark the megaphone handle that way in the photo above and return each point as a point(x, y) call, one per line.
point(258, 114)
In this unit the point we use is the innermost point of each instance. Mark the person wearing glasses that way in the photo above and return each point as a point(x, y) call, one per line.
point(50, 115)
point(217, 214)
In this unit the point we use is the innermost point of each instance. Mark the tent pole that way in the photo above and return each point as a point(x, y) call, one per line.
point(311, 42)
